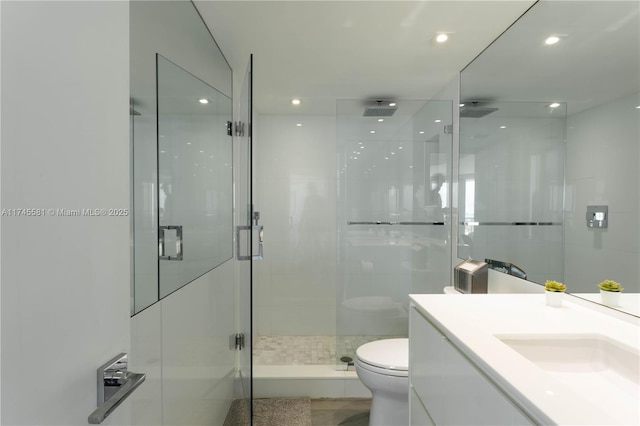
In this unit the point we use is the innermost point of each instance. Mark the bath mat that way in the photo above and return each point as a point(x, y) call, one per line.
point(272, 412)
point(282, 412)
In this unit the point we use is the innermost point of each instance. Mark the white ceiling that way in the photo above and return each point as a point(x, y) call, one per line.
point(597, 59)
point(321, 51)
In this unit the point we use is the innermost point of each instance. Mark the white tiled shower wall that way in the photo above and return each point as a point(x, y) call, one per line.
point(295, 284)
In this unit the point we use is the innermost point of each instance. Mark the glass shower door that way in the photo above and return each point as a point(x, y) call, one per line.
point(245, 244)
point(394, 207)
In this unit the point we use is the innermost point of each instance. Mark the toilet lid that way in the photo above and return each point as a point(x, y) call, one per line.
point(391, 354)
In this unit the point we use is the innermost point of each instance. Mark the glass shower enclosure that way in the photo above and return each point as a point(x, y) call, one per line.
point(394, 209)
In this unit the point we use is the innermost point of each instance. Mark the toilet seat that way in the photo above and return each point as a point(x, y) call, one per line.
point(389, 357)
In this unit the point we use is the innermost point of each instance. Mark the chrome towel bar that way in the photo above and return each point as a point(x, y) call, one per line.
point(394, 223)
point(115, 384)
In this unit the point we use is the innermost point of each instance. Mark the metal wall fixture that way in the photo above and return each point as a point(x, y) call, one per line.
point(597, 216)
point(115, 384)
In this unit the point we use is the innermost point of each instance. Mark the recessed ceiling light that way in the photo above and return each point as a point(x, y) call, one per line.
point(638, 107)
point(203, 101)
point(554, 105)
point(461, 105)
point(380, 119)
point(299, 124)
point(552, 40)
point(437, 121)
point(442, 37)
point(295, 101)
point(392, 104)
point(503, 127)
point(372, 131)
point(421, 132)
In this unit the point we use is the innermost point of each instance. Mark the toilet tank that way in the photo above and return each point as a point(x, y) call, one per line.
point(471, 276)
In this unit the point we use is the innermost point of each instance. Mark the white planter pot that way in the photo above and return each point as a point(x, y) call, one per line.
point(554, 298)
point(610, 298)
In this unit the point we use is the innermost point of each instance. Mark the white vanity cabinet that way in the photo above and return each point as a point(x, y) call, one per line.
point(446, 388)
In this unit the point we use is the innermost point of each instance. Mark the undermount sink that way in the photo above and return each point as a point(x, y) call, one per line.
point(588, 362)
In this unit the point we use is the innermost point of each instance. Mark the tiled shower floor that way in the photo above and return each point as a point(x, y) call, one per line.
point(307, 350)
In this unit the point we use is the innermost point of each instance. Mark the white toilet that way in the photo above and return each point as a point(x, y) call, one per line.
point(383, 367)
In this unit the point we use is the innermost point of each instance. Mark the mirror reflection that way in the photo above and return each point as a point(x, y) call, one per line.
point(194, 177)
point(549, 147)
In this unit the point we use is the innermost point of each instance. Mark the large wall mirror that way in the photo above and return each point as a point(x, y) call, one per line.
point(549, 146)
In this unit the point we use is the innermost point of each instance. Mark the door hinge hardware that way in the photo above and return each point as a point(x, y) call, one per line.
point(229, 128)
point(239, 341)
point(239, 128)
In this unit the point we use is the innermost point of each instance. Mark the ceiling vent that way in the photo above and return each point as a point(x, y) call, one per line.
point(379, 109)
point(475, 110)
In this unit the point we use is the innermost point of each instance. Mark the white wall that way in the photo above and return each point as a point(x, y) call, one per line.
point(65, 145)
point(602, 169)
point(296, 195)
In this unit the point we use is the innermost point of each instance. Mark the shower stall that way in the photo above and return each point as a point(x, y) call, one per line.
point(356, 208)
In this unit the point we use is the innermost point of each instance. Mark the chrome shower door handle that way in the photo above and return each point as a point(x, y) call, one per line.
point(162, 242)
point(258, 231)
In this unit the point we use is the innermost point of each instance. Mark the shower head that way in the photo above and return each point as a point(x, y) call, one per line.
point(475, 110)
point(379, 109)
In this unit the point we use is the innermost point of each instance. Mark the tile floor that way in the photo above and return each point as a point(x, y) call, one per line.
point(307, 350)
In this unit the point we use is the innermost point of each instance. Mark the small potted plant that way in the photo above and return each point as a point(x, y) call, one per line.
point(554, 291)
point(610, 292)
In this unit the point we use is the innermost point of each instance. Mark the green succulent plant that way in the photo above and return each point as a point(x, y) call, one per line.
point(554, 286)
point(609, 285)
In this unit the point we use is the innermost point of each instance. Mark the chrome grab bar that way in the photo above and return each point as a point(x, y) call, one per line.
point(473, 223)
point(394, 223)
point(115, 384)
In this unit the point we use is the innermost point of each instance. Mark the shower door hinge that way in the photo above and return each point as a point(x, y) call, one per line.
point(448, 129)
point(239, 341)
point(239, 128)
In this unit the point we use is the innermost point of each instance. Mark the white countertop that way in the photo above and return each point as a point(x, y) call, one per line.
point(471, 322)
